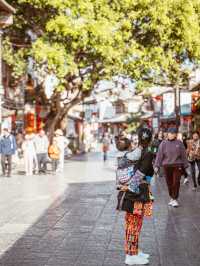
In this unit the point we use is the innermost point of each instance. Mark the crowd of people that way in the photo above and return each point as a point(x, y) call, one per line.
point(36, 150)
point(171, 155)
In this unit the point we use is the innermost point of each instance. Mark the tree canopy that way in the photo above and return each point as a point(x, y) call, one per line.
point(138, 38)
point(84, 41)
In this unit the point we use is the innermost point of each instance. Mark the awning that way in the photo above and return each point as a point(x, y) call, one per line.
point(157, 90)
point(168, 118)
point(147, 115)
point(4, 6)
point(120, 118)
point(73, 117)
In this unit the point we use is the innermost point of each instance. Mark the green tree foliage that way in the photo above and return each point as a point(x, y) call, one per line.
point(84, 41)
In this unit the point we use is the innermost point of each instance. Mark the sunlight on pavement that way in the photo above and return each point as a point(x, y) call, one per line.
point(25, 200)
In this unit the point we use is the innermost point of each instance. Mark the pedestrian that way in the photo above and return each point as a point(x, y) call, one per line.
point(139, 208)
point(8, 148)
point(19, 141)
point(193, 151)
point(54, 154)
point(183, 138)
point(42, 145)
point(105, 146)
point(30, 157)
point(165, 135)
point(62, 143)
point(172, 156)
point(158, 138)
point(134, 141)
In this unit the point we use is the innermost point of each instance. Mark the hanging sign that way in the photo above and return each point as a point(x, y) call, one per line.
point(168, 104)
point(185, 103)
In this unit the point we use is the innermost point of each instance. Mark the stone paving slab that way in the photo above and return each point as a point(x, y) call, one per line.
point(71, 220)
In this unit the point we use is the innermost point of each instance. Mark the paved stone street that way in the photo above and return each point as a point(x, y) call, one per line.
point(71, 220)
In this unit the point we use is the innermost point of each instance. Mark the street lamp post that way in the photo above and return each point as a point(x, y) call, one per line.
point(177, 106)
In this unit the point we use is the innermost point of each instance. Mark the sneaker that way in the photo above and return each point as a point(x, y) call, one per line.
point(186, 181)
point(135, 260)
point(143, 255)
point(170, 202)
point(194, 188)
point(175, 204)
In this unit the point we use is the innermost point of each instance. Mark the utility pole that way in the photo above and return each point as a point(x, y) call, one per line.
point(177, 105)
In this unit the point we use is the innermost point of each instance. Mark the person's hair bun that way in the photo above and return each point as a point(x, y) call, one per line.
point(145, 136)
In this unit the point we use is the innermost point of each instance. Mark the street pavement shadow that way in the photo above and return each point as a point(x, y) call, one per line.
point(77, 229)
point(82, 228)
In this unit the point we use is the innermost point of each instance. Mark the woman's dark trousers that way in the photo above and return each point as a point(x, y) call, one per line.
point(173, 175)
point(193, 172)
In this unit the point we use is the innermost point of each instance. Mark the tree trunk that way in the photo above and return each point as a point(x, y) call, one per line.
point(52, 124)
point(54, 118)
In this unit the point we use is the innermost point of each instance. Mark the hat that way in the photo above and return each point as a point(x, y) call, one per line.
point(59, 132)
point(172, 130)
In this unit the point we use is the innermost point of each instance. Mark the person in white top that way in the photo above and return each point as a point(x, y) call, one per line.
point(30, 158)
point(62, 143)
point(42, 145)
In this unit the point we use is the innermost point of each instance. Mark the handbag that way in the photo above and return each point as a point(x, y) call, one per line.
point(126, 199)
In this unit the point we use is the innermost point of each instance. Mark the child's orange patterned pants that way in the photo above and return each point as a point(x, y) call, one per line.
point(133, 226)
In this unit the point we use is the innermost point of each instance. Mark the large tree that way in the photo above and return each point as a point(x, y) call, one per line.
point(84, 41)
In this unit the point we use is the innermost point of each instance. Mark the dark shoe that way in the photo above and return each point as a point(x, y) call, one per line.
point(8, 175)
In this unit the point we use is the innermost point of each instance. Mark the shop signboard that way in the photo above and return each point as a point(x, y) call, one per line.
point(168, 104)
point(185, 103)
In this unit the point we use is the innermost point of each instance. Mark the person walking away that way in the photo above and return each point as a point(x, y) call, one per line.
point(105, 146)
point(134, 219)
point(158, 138)
point(19, 141)
point(62, 143)
point(193, 152)
point(54, 154)
point(172, 156)
point(185, 141)
point(42, 145)
point(8, 148)
point(30, 157)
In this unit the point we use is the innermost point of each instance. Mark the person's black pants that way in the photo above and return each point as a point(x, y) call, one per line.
point(6, 164)
point(55, 165)
point(42, 162)
point(193, 172)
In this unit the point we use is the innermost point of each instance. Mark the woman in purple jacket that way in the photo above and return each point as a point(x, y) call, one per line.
point(172, 156)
